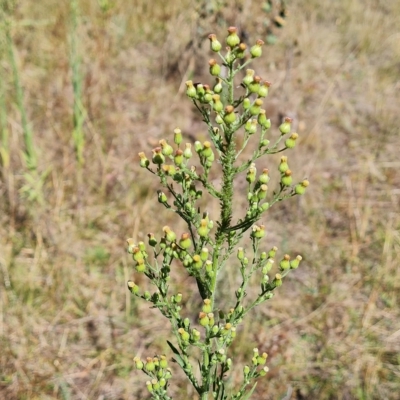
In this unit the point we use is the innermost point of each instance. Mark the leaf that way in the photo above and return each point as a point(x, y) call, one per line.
point(178, 358)
point(247, 396)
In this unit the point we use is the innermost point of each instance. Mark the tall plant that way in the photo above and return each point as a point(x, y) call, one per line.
point(201, 348)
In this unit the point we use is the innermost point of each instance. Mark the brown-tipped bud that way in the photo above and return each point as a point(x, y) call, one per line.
point(152, 239)
point(258, 231)
point(287, 179)
point(286, 126)
point(203, 319)
point(233, 39)
point(264, 88)
point(301, 187)
point(264, 177)
point(241, 50)
point(149, 366)
point(256, 107)
point(185, 241)
point(230, 116)
point(215, 68)
point(184, 335)
point(256, 50)
point(291, 142)
point(191, 90)
point(203, 228)
point(214, 43)
point(158, 157)
point(197, 263)
point(178, 158)
point(144, 162)
point(207, 150)
point(283, 166)
point(207, 307)
point(254, 86)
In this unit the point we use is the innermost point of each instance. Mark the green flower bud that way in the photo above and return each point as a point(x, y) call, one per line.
point(277, 280)
point(256, 50)
point(204, 254)
point(207, 307)
point(149, 387)
point(144, 162)
point(285, 263)
point(158, 157)
point(251, 126)
point(230, 116)
point(149, 366)
point(169, 234)
point(258, 231)
point(203, 319)
point(264, 371)
point(167, 150)
point(187, 153)
point(246, 103)
point(200, 90)
point(178, 158)
point(287, 179)
point(301, 187)
point(241, 50)
point(246, 370)
point(264, 177)
point(203, 228)
point(217, 103)
point(251, 174)
point(211, 319)
point(162, 382)
point(283, 166)
point(262, 194)
point(191, 90)
point(140, 266)
point(291, 142)
point(268, 266)
point(256, 107)
point(249, 77)
point(138, 363)
point(131, 245)
point(263, 255)
point(207, 150)
point(263, 91)
point(162, 198)
point(155, 384)
point(214, 43)
point(178, 298)
point(169, 170)
point(133, 288)
point(286, 125)
point(177, 136)
point(198, 146)
point(137, 254)
point(263, 120)
point(233, 39)
point(254, 86)
point(209, 266)
point(240, 253)
point(295, 263)
point(195, 335)
point(265, 142)
point(219, 120)
point(184, 335)
point(185, 241)
point(197, 263)
point(218, 86)
point(215, 68)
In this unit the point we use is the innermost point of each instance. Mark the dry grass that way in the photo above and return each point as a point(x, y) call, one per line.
point(68, 327)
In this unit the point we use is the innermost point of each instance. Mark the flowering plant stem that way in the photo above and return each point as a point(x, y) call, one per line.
point(201, 346)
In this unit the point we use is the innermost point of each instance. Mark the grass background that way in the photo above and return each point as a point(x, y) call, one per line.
point(68, 327)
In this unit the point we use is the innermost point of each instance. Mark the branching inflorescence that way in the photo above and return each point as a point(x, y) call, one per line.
point(205, 248)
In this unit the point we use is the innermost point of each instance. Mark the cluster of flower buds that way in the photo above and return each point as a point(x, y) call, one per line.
point(156, 368)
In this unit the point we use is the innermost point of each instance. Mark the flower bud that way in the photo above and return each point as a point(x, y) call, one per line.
point(241, 50)
point(283, 166)
point(200, 90)
point(246, 370)
point(291, 142)
point(207, 150)
point(258, 231)
point(169, 234)
point(184, 335)
point(233, 39)
point(197, 263)
point(287, 179)
point(198, 146)
point(264, 177)
point(204, 254)
point(251, 126)
point(217, 103)
point(251, 174)
point(158, 157)
point(177, 136)
point(256, 107)
point(149, 386)
point(149, 366)
point(295, 263)
point(230, 116)
point(256, 50)
point(249, 77)
point(240, 254)
point(277, 280)
point(263, 120)
point(140, 266)
point(214, 43)
point(254, 86)
point(272, 252)
point(144, 162)
point(133, 288)
point(262, 194)
point(215, 68)
point(162, 198)
point(285, 263)
point(263, 91)
point(218, 86)
point(301, 187)
point(185, 241)
point(286, 125)
point(246, 103)
point(268, 266)
point(191, 90)
point(178, 158)
point(203, 228)
point(195, 335)
point(203, 319)
point(138, 363)
point(207, 307)
point(264, 371)
point(167, 150)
